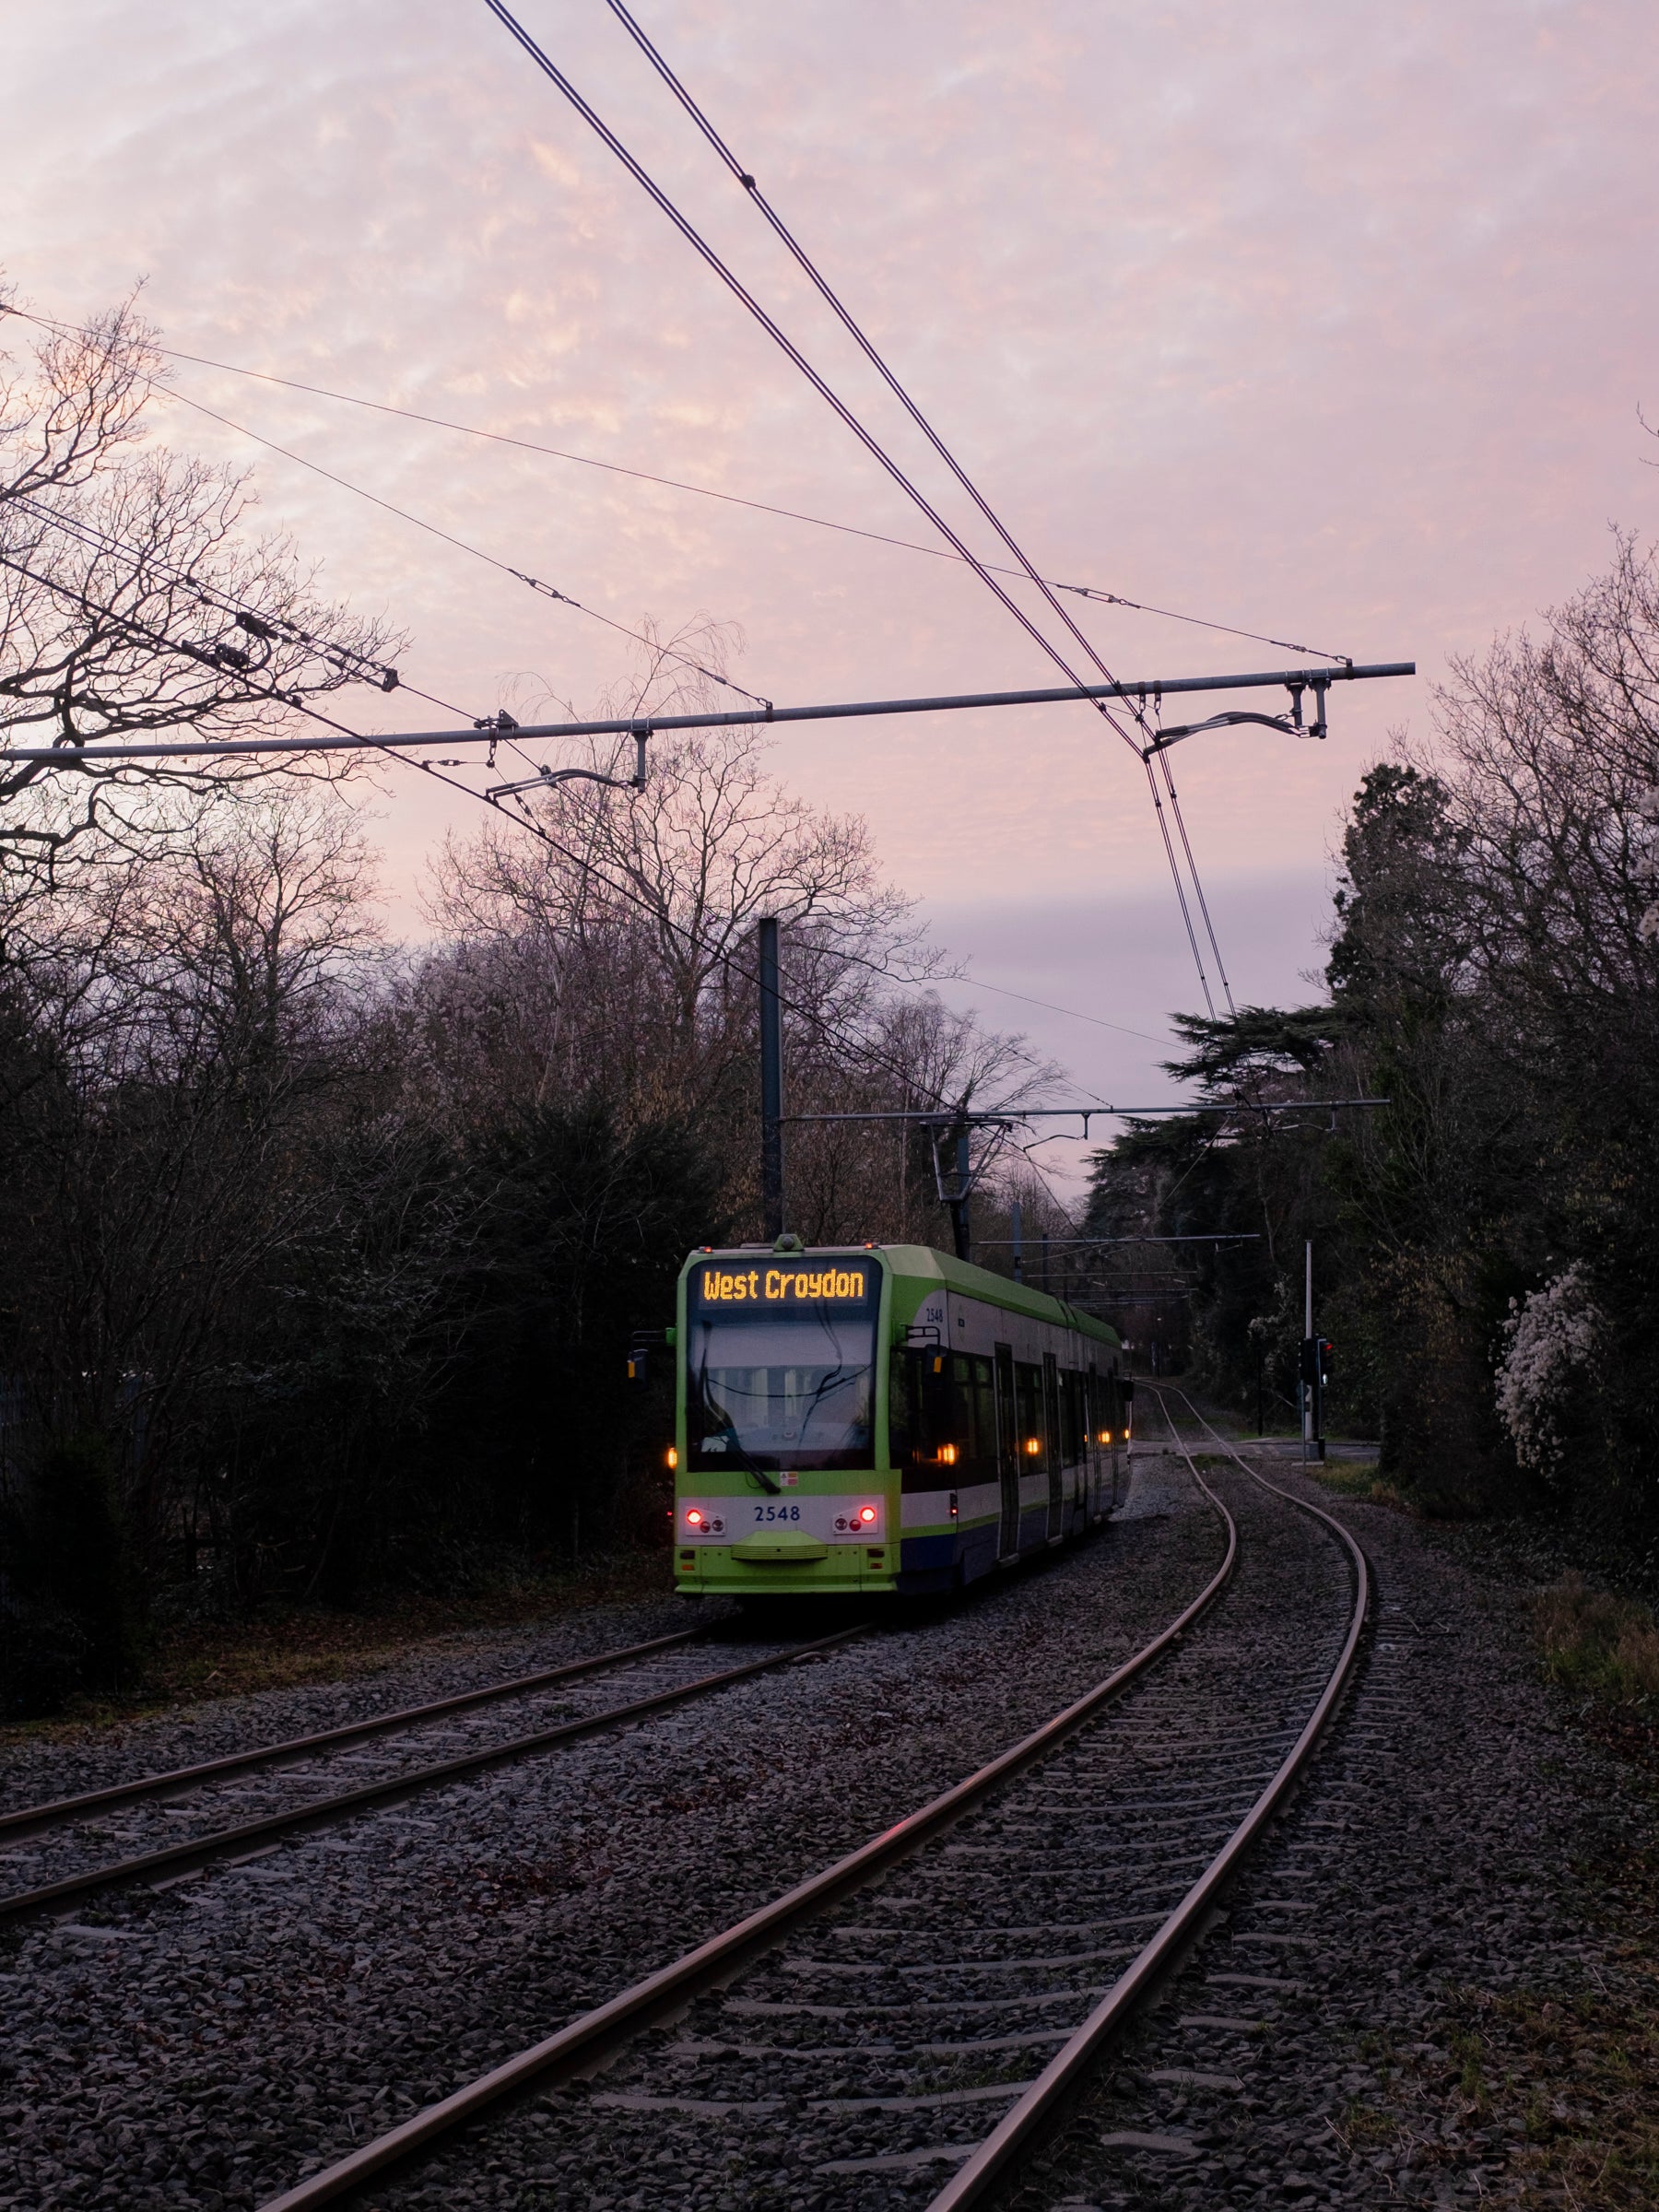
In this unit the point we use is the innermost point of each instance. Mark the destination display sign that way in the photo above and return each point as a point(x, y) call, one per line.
point(776, 1287)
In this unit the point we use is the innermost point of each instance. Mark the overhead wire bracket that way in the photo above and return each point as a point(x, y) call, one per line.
point(546, 777)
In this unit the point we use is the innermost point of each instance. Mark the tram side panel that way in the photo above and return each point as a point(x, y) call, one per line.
point(1003, 1441)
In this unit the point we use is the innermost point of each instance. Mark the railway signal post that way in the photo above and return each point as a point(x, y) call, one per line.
point(1314, 1351)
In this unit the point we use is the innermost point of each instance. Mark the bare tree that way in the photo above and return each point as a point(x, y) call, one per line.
point(134, 604)
point(617, 926)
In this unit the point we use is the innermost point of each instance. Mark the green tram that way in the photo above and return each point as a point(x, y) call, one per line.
point(881, 1417)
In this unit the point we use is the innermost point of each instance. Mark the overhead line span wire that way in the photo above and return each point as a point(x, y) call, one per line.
point(702, 492)
point(843, 315)
point(544, 590)
point(857, 1049)
point(79, 525)
point(209, 597)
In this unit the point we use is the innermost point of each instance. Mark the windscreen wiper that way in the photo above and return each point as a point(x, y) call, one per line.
point(729, 1427)
point(773, 1489)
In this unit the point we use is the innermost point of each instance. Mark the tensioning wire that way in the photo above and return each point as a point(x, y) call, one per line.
point(859, 1047)
point(219, 602)
point(536, 583)
point(1095, 592)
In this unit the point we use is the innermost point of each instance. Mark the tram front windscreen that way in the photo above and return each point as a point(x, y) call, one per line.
point(780, 1364)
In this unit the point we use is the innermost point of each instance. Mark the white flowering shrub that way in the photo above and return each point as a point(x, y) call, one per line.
point(1549, 1337)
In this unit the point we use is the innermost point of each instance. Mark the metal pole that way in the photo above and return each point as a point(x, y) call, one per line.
point(625, 726)
point(1045, 1246)
point(771, 1082)
point(1017, 1223)
point(959, 1204)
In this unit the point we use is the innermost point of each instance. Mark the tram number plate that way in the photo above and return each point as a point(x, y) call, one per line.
point(768, 1513)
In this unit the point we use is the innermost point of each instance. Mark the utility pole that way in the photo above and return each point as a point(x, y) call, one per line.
point(772, 1081)
point(1017, 1223)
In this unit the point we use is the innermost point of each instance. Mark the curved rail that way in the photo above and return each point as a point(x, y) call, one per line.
point(588, 2038)
point(1036, 2111)
point(31, 1819)
point(321, 1812)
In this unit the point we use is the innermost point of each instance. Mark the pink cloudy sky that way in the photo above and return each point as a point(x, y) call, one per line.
point(1328, 320)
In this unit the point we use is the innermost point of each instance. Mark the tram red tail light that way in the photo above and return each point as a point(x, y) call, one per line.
point(867, 1516)
point(693, 1517)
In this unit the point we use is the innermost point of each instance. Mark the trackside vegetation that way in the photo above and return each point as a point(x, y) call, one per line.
point(1487, 1246)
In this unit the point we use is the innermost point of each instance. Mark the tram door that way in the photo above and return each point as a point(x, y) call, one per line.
point(1050, 1408)
point(1008, 1454)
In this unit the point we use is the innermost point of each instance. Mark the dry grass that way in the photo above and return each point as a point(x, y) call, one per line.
point(1594, 1641)
point(1359, 1478)
point(1559, 2099)
point(280, 1649)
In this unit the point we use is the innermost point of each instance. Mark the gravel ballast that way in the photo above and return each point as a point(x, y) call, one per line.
point(205, 2045)
point(1429, 1870)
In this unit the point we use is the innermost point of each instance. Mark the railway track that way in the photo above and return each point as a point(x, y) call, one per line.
point(257, 1787)
point(902, 2028)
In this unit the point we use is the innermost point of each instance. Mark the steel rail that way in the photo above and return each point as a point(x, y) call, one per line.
point(574, 2049)
point(323, 1812)
point(31, 1819)
point(1042, 2105)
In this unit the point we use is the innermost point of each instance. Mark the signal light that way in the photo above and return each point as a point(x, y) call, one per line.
point(673, 1455)
point(948, 1455)
point(1032, 1447)
point(866, 1514)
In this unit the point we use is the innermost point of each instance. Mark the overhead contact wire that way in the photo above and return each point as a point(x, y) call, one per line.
point(872, 445)
point(701, 246)
point(810, 268)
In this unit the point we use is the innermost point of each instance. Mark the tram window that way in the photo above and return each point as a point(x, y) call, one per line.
point(1032, 1429)
point(904, 1379)
point(942, 1415)
point(1070, 1450)
point(783, 1391)
point(984, 1399)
